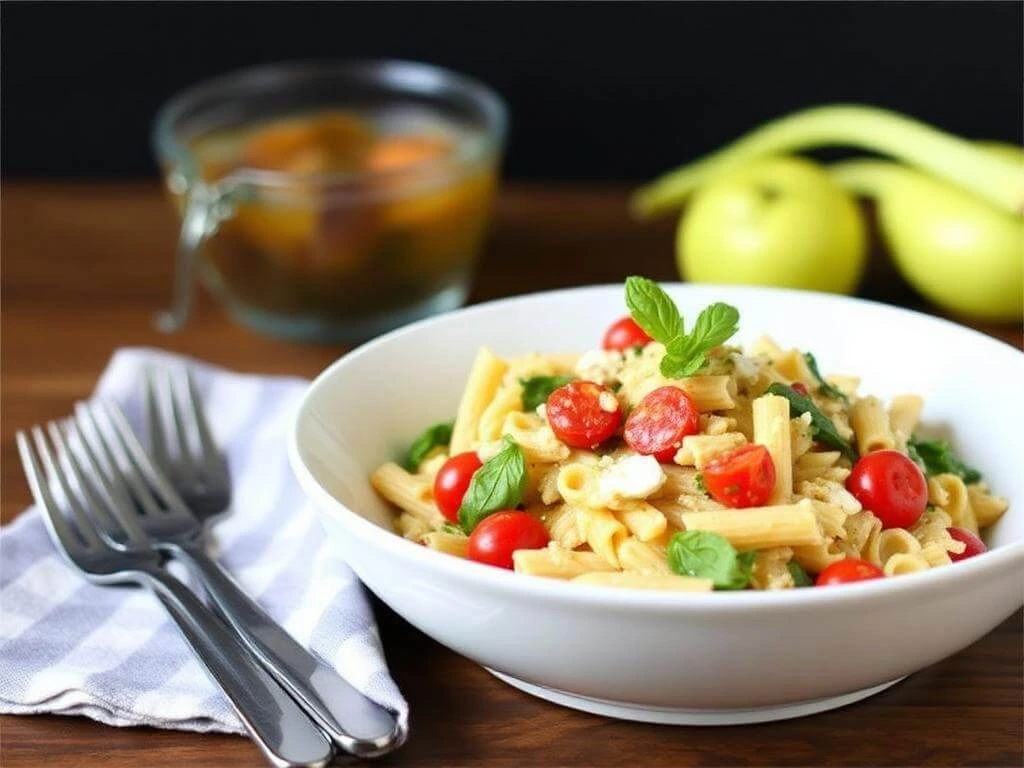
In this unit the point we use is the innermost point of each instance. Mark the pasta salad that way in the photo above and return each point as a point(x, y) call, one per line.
point(670, 459)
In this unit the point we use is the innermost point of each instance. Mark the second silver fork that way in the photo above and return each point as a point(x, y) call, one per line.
point(188, 453)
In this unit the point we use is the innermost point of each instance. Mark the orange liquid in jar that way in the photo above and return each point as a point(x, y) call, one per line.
point(368, 213)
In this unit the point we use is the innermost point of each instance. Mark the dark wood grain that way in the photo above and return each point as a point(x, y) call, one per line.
point(84, 268)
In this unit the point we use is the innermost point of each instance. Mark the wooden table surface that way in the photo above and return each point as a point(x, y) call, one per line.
point(85, 267)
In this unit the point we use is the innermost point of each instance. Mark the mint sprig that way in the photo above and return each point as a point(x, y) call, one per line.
point(685, 353)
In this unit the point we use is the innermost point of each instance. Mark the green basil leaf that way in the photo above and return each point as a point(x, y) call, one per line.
point(431, 438)
point(822, 426)
point(497, 485)
point(800, 577)
point(707, 555)
point(652, 309)
point(828, 390)
point(536, 390)
point(936, 457)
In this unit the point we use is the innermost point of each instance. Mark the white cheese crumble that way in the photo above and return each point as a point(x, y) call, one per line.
point(746, 368)
point(601, 366)
point(634, 477)
point(542, 411)
point(608, 402)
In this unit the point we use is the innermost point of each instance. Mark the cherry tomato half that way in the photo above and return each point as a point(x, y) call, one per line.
point(625, 334)
point(497, 536)
point(451, 482)
point(846, 571)
point(890, 485)
point(579, 415)
point(657, 426)
point(744, 477)
point(975, 546)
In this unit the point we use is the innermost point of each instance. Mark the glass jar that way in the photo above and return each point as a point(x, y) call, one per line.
point(330, 201)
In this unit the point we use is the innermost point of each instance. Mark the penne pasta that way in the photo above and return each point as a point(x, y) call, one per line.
point(871, 425)
point(484, 379)
point(771, 429)
point(760, 527)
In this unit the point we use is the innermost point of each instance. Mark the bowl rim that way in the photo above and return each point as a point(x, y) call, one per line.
point(566, 593)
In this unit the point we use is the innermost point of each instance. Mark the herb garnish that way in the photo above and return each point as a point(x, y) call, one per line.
point(707, 555)
point(497, 485)
point(685, 353)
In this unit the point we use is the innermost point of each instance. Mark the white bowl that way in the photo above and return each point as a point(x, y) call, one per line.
point(665, 657)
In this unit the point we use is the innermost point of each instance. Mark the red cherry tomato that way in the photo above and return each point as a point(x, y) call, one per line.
point(576, 417)
point(451, 482)
point(799, 387)
point(890, 485)
point(497, 536)
point(846, 571)
point(625, 334)
point(975, 546)
point(744, 477)
point(657, 426)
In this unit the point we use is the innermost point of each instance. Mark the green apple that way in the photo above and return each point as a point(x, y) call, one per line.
point(780, 221)
point(958, 250)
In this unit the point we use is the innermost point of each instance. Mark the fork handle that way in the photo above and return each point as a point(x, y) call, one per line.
point(281, 729)
point(358, 725)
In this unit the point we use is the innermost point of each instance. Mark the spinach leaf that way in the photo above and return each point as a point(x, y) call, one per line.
point(936, 457)
point(828, 390)
point(821, 425)
point(800, 577)
point(536, 390)
point(431, 438)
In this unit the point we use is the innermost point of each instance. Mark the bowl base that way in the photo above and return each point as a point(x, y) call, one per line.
point(673, 716)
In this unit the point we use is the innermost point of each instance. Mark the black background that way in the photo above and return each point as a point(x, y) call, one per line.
point(597, 91)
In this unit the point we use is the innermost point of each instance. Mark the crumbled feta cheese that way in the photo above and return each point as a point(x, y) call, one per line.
point(634, 477)
point(608, 402)
point(747, 369)
point(542, 411)
point(601, 366)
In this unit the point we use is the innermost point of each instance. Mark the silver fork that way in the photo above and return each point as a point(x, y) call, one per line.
point(74, 482)
point(188, 455)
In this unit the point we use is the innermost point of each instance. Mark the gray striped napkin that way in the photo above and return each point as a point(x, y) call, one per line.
point(69, 647)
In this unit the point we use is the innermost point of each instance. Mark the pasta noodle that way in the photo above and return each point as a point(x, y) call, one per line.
point(871, 425)
point(484, 379)
point(760, 527)
point(771, 429)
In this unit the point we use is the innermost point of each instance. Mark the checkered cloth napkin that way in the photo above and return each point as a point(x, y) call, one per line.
point(110, 653)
